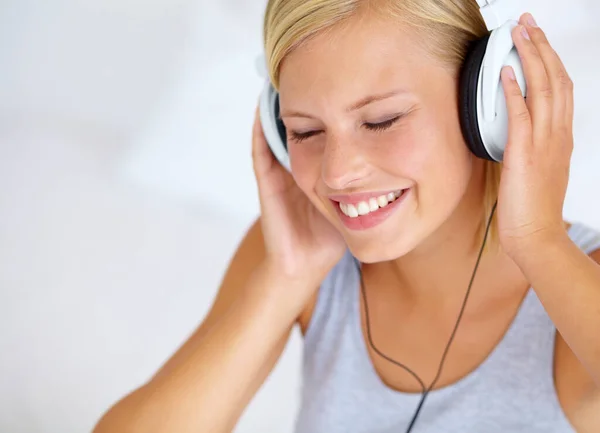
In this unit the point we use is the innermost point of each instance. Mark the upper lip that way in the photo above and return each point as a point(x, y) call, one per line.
point(363, 196)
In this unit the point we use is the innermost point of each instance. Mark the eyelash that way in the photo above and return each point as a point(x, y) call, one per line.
point(376, 127)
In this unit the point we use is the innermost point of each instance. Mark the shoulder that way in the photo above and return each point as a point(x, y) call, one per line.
point(306, 315)
point(327, 293)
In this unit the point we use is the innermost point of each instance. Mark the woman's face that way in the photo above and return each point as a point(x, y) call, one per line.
point(370, 116)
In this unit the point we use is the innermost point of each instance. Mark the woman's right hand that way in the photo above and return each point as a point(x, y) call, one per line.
point(299, 241)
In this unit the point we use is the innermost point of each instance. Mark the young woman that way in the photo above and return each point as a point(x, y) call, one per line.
point(371, 244)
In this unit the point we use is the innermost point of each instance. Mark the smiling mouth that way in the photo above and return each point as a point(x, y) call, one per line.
point(354, 210)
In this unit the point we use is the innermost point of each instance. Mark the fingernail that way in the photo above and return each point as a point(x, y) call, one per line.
point(525, 33)
point(510, 72)
point(531, 21)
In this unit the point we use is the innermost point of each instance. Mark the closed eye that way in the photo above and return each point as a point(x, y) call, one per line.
point(301, 136)
point(378, 127)
point(382, 126)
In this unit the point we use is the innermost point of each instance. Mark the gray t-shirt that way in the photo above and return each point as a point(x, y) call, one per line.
point(511, 391)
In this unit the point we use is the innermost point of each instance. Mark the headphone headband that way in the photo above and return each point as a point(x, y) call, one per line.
point(495, 13)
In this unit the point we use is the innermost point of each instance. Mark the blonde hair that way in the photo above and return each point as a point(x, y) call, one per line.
point(446, 27)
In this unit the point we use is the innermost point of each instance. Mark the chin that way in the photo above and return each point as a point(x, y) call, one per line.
point(381, 248)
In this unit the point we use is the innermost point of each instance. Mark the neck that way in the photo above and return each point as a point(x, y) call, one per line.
point(441, 267)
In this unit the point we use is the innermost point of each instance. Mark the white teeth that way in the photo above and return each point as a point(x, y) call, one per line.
point(373, 206)
point(364, 208)
point(382, 201)
point(352, 211)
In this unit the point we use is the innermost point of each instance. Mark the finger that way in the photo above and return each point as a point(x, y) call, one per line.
point(559, 80)
point(519, 117)
point(539, 91)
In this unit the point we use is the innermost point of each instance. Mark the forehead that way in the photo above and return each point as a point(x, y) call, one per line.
point(361, 55)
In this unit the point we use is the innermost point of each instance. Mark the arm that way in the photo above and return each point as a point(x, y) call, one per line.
point(533, 184)
point(567, 282)
point(209, 381)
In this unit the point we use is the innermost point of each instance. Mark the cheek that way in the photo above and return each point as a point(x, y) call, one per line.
point(410, 152)
point(447, 170)
point(305, 167)
point(431, 154)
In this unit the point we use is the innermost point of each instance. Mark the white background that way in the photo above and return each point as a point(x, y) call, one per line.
point(127, 183)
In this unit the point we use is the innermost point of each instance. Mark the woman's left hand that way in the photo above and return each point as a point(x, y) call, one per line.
point(540, 143)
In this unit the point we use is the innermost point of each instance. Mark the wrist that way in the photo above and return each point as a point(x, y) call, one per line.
point(539, 242)
point(297, 276)
point(277, 294)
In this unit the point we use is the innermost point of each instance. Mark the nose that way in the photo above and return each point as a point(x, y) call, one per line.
point(343, 164)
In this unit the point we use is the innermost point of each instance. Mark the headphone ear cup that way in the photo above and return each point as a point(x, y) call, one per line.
point(280, 126)
point(468, 87)
point(272, 126)
point(483, 109)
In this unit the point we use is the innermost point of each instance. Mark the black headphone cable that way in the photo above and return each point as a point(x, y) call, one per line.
point(462, 309)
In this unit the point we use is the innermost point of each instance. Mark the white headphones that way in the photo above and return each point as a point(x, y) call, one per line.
point(483, 112)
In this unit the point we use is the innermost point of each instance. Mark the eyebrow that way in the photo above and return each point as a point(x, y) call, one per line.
point(359, 104)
